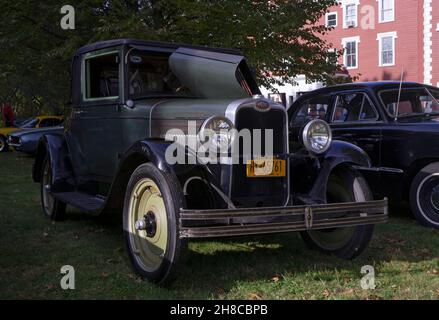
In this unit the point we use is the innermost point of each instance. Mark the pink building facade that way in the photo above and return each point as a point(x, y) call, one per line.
point(382, 38)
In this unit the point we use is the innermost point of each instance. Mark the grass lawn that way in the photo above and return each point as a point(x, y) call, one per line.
point(33, 249)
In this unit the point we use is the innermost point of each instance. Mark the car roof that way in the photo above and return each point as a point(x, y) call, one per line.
point(49, 117)
point(135, 42)
point(374, 85)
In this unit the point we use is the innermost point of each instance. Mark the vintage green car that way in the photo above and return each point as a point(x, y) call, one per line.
point(158, 133)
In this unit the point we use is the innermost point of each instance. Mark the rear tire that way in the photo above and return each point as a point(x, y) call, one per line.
point(52, 208)
point(424, 196)
point(151, 223)
point(3, 144)
point(345, 185)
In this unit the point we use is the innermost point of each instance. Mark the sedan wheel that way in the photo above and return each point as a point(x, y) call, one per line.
point(151, 210)
point(347, 243)
point(424, 196)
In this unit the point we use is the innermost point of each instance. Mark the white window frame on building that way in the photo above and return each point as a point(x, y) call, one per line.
point(344, 43)
point(334, 13)
point(345, 4)
point(381, 11)
point(386, 35)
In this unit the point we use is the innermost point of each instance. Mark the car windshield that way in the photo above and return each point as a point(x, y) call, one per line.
point(31, 123)
point(412, 102)
point(150, 75)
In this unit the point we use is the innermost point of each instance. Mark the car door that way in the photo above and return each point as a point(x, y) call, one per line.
point(355, 119)
point(93, 132)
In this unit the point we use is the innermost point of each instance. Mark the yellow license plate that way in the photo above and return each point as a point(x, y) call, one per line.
point(265, 168)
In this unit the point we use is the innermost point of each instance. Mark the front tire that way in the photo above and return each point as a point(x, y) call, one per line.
point(151, 218)
point(52, 208)
point(345, 185)
point(3, 144)
point(424, 196)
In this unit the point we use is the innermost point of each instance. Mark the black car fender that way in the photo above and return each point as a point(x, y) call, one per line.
point(54, 147)
point(154, 151)
point(340, 153)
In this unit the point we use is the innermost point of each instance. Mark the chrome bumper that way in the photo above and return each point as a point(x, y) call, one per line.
point(251, 221)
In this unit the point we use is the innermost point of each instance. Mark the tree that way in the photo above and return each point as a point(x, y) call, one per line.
point(278, 37)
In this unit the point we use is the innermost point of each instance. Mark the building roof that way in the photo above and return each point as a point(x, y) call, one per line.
point(134, 42)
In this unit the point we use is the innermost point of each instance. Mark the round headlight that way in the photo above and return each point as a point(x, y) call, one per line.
point(219, 131)
point(317, 136)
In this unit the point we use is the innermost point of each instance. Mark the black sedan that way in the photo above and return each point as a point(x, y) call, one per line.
point(27, 140)
point(396, 124)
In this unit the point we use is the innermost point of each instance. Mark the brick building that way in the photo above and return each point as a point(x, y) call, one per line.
point(380, 38)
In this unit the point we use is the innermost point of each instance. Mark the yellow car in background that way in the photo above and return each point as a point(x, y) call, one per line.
point(37, 122)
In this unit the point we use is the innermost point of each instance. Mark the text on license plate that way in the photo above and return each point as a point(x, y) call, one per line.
point(266, 167)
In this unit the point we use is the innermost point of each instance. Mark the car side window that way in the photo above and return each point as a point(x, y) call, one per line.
point(311, 109)
point(353, 107)
point(102, 76)
point(57, 122)
point(46, 123)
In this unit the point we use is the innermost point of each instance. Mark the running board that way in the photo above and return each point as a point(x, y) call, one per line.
point(82, 201)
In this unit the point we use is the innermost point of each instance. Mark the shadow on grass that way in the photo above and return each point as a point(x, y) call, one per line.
point(218, 265)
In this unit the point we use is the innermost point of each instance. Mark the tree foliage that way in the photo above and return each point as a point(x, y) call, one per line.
point(278, 37)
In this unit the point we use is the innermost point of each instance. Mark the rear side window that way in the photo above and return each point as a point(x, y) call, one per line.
point(46, 123)
point(311, 109)
point(353, 107)
point(102, 76)
point(57, 122)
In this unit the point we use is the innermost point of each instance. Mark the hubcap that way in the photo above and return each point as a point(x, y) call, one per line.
point(428, 198)
point(435, 197)
point(2, 144)
point(47, 197)
point(148, 225)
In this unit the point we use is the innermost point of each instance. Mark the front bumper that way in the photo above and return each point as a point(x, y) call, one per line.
point(251, 221)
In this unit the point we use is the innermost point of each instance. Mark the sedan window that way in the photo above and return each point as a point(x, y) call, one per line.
point(315, 108)
point(354, 107)
point(409, 102)
point(46, 123)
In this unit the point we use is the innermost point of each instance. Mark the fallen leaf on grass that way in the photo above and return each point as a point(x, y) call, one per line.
point(220, 291)
point(433, 272)
point(254, 296)
point(349, 292)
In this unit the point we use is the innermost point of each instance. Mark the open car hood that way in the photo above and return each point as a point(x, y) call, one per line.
point(212, 74)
